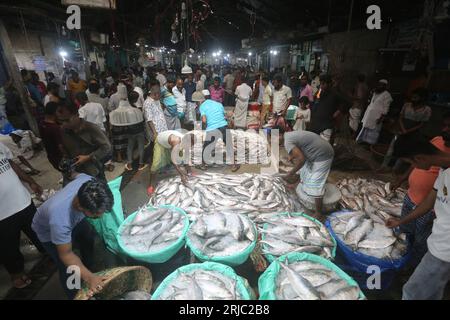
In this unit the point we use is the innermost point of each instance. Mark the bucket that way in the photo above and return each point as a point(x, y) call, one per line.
point(331, 198)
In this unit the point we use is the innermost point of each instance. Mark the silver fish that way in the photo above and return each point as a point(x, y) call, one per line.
point(222, 234)
point(283, 235)
point(201, 285)
point(157, 229)
point(369, 236)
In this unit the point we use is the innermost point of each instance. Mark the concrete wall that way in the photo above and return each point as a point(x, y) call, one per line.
point(27, 47)
point(352, 53)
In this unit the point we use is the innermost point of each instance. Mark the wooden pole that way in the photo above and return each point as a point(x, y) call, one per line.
point(16, 77)
point(350, 16)
point(330, 4)
point(85, 53)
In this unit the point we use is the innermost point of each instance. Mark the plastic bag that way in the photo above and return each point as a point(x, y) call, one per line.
point(267, 282)
point(242, 286)
point(110, 222)
point(155, 257)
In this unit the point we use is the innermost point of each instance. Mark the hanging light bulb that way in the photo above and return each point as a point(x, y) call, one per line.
point(174, 39)
point(186, 69)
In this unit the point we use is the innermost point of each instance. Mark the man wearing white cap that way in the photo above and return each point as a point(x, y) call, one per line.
point(375, 113)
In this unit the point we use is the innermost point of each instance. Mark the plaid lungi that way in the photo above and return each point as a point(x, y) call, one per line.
point(314, 176)
point(417, 231)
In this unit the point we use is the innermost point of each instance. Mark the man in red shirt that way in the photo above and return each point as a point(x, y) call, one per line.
point(420, 182)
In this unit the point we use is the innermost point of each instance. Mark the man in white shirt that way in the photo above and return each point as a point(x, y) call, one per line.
point(282, 96)
point(161, 77)
point(90, 111)
point(243, 94)
point(433, 273)
point(140, 102)
point(180, 96)
point(228, 86)
point(375, 113)
point(115, 99)
point(267, 99)
point(201, 79)
point(16, 215)
point(94, 95)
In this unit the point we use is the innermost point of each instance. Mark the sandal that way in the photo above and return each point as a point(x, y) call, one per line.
point(235, 168)
point(127, 167)
point(22, 282)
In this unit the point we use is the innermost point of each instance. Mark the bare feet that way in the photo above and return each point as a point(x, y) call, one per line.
point(21, 282)
point(142, 167)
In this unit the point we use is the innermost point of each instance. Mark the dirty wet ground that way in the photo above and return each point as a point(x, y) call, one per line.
point(46, 286)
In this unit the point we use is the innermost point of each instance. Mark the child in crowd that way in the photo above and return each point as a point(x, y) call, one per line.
point(303, 114)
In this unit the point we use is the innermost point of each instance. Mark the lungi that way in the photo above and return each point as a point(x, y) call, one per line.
point(313, 178)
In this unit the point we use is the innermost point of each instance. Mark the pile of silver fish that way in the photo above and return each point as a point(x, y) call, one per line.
point(153, 230)
point(249, 147)
point(284, 234)
point(247, 194)
point(201, 285)
point(222, 235)
point(373, 197)
point(307, 280)
point(361, 233)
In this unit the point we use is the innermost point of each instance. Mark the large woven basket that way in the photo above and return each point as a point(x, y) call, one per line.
point(120, 280)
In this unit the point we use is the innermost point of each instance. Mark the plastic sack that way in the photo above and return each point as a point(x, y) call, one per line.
point(267, 281)
point(110, 222)
point(242, 285)
point(7, 128)
point(233, 260)
point(272, 258)
point(155, 257)
point(360, 262)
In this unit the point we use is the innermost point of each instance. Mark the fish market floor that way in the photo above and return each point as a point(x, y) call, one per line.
point(43, 272)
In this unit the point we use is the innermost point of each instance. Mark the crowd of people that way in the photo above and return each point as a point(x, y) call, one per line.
point(85, 125)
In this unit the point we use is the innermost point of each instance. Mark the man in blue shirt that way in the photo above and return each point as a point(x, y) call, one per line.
point(213, 118)
point(61, 220)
